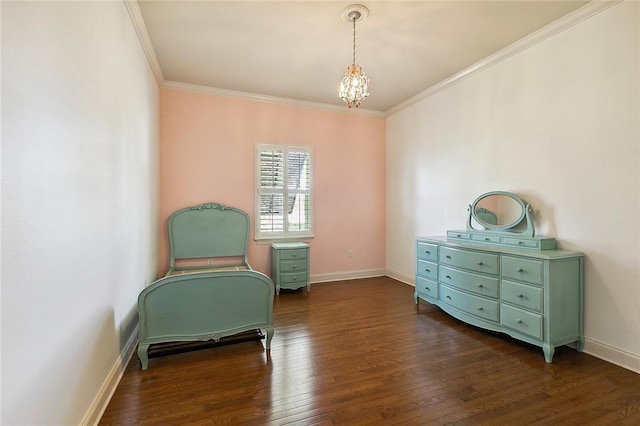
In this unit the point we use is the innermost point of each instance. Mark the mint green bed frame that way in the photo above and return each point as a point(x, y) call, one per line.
point(206, 301)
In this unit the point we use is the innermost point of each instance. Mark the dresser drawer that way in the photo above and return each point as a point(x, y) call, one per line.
point(474, 305)
point(523, 295)
point(459, 235)
point(522, 321)
point(427, 251)
point(293, 254)
point(520, 269)
point(484, 285)
point(517, 242)
point(486, 238)
point(427, 269)
point(471, 260)
point(427, 287)
point(293, 265)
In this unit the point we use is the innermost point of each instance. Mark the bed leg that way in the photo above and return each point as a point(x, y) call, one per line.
point(270, 332)
point(143, 356)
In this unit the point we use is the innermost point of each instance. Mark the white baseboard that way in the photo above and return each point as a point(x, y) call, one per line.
point(407, 279)
point(110, 384)
point(613, 355)
point(348, 275)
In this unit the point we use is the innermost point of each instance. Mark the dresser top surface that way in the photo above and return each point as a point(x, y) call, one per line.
point(540, 254)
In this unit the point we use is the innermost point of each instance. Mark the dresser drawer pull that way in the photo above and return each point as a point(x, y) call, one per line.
point(480, 308)
point(481, 263)
point(459, 235)
point(520, 321)
point(294, 255)
point(448, 297)
point(448, 277)
point(428, 271)
point(448, 257)
point(480, 286)
point(427, 288)
point(519, 242)
point(427, 252)
point(519, 270)
point(486, 238)
point(294, 267)
point(521, 296)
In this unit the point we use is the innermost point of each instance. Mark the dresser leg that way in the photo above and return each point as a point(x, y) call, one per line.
point(548, 352)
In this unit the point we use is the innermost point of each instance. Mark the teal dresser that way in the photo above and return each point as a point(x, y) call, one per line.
point(509, 284)
point(290, 266)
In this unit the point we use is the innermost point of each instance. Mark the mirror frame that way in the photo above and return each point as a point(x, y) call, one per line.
point(525, 214)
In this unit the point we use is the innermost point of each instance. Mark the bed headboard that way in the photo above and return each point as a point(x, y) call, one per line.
point(209, 230)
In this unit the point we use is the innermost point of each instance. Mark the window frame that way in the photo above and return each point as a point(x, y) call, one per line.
point(286, 192)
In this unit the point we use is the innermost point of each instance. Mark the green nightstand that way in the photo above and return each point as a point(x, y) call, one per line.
point(290, 266)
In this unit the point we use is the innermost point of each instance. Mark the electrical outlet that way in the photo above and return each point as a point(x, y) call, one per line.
point(210, 262)
point(350, 253)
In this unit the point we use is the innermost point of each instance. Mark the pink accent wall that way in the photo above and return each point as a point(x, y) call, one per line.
point(207, 153)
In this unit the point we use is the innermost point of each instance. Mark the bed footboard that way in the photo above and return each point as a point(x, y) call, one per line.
point(204, 306)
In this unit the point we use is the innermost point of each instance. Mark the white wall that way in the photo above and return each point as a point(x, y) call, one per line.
point(559, 124)
point(79, 203)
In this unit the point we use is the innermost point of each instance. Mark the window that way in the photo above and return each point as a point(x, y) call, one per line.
point(284, 199)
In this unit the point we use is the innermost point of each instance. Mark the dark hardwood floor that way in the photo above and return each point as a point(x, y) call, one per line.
point(359, 352)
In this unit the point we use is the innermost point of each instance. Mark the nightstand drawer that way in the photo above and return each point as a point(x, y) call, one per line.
point(293, 265)
point(471, 260)
point(293, 254)
point(293, 278)
point(484, 285)
point(523, 295)
point(427, 269)
point(427, 251)
point(474, 305)
point(519, 269)
point(522, 321)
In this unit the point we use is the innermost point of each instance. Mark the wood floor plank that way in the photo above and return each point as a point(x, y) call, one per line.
point(361, 352)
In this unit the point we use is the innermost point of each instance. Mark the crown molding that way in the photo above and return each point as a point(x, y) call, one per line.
point(590, 9)
point(195, 88)
point(133, 9)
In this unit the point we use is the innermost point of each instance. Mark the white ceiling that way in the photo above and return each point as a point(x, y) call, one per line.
point(300, 49)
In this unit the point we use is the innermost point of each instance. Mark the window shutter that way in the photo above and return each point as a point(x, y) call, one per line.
point(284, 192)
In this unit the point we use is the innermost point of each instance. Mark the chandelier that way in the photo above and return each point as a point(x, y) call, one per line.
point(354, 86)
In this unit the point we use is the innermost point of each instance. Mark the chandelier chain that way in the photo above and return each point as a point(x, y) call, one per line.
point(354, 40)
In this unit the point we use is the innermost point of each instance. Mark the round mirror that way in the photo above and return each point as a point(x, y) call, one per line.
point(498, 210)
